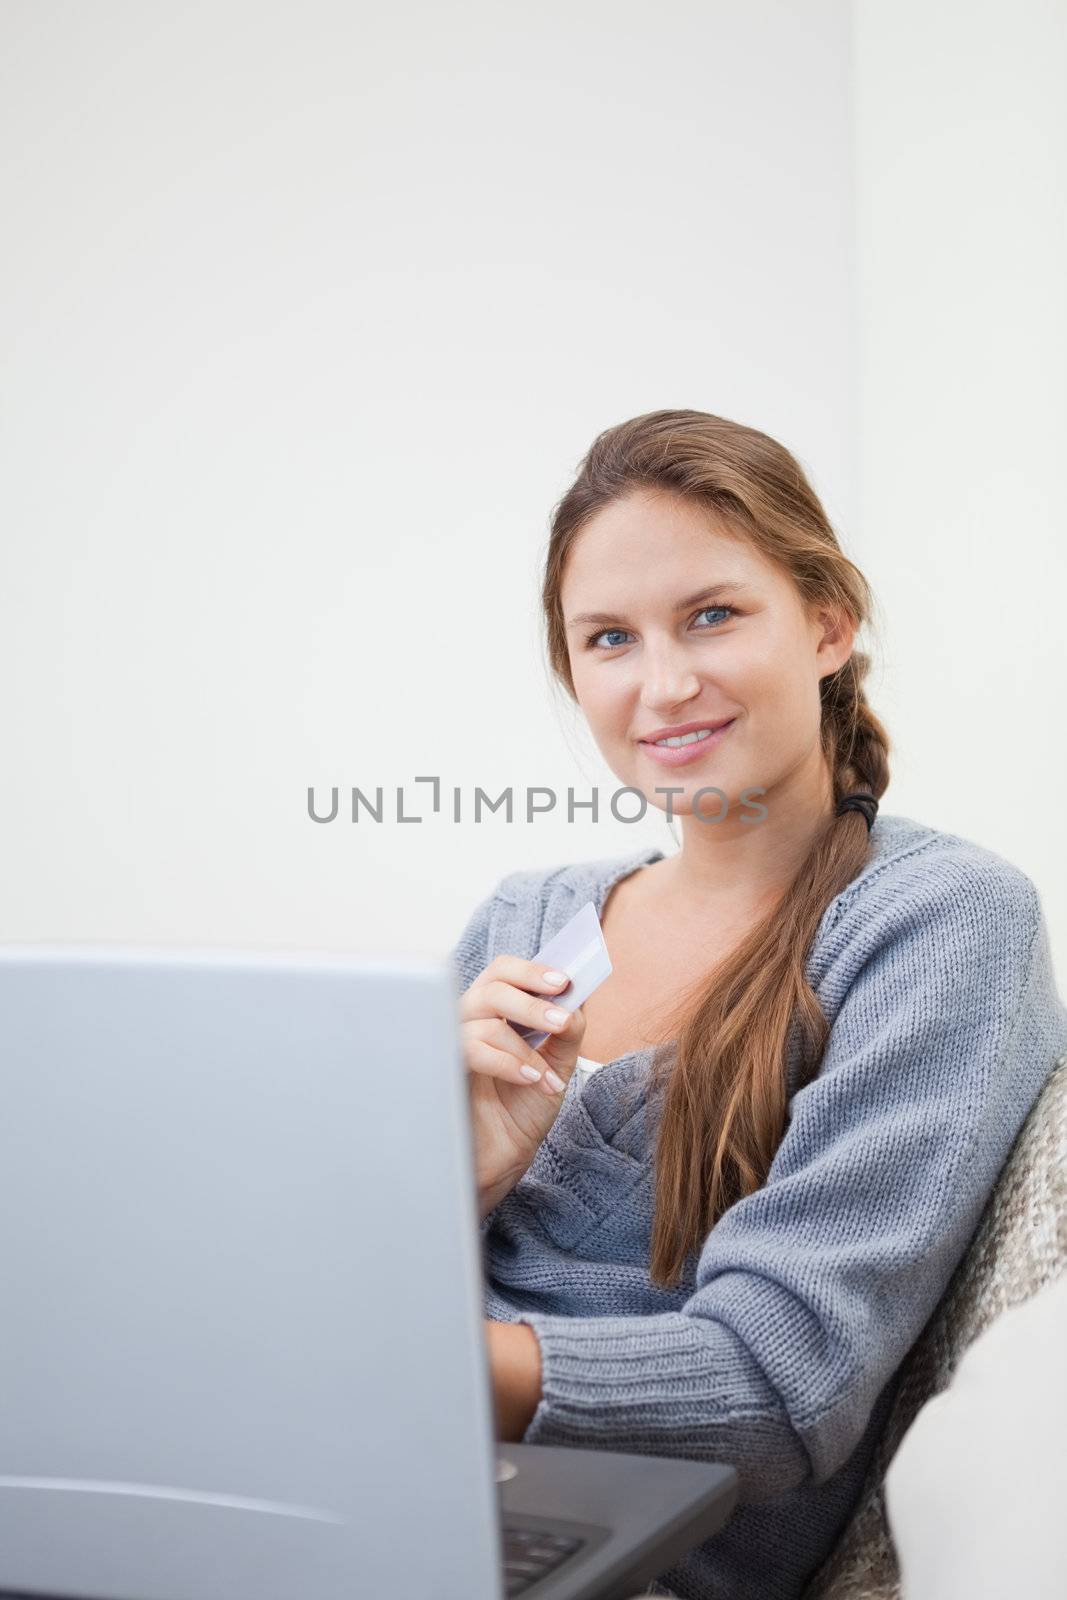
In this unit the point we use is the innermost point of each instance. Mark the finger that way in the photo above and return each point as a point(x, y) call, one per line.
point(533, 975)
point(496, 1033)
point(564, 1044)
point(493, 1048)
point(561, 1052)
point(551, 1064)
point(572, 1029)
point(495, 997)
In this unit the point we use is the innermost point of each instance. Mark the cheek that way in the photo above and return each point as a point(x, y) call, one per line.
point(771, 670)
point(598, 693)
point(789, 702)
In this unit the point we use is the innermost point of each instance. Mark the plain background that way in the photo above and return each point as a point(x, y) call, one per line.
point(308, 314)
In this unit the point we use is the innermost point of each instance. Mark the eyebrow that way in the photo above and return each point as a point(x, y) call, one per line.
point(604, 617)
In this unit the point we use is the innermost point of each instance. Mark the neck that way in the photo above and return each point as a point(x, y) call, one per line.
point(749, 864)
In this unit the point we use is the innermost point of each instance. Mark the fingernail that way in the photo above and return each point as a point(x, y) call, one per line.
point(530, 1072)
point(553, 1080)
point(556, 977)
point(554, 1015)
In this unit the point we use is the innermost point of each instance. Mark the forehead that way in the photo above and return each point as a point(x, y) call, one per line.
point(648, 544)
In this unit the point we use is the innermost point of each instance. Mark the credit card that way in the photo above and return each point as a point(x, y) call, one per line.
point(578, 949)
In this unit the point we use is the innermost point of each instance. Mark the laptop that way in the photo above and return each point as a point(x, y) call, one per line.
point(242, 1349)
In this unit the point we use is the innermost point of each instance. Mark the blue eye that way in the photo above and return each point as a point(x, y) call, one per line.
point(593, 637)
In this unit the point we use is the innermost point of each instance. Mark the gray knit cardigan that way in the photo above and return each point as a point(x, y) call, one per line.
point(781, 1348)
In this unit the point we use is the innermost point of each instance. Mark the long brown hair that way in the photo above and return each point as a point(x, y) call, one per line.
point(724, 1082)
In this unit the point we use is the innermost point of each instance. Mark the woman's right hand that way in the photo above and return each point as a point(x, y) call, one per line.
point(512, 1109)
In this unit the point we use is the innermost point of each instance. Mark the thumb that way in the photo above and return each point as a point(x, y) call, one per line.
point(561, 1050)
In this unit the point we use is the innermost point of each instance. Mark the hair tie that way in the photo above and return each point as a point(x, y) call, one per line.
point(860, 801)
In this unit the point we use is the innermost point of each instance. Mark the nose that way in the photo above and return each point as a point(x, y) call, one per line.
point(669, 679)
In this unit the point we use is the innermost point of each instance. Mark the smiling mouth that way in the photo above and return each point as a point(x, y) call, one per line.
point(679, 741)
point(685, 738)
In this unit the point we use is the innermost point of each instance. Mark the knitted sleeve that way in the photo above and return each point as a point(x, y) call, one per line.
point(468, 956)
point(810, 1292)
point(519, 896)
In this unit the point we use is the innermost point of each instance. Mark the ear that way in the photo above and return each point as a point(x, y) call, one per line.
point(838, 632)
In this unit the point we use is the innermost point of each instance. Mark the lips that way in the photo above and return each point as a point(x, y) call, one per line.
point(682, 728)
point(693, 751)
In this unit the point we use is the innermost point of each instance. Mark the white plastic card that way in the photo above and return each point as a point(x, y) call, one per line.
point(578, 949)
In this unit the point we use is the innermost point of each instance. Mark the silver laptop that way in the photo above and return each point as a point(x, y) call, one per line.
point(241, 1341)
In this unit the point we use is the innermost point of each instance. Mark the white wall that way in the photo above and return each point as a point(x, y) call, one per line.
point(961, 170)
point(310, 312)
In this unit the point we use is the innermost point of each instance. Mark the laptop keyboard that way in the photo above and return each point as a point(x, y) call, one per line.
point(532, 1553)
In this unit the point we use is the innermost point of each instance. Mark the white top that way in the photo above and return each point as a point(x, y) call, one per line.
point(584, 1069)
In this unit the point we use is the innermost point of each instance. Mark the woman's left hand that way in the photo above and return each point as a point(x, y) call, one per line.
point(515, 1374)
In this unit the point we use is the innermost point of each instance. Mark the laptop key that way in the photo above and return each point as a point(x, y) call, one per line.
point(531, 1553)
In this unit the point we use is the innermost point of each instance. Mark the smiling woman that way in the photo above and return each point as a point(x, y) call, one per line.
point(660, 504)
point(818, 1041)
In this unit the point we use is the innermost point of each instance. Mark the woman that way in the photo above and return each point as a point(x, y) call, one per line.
point(821, 1034)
